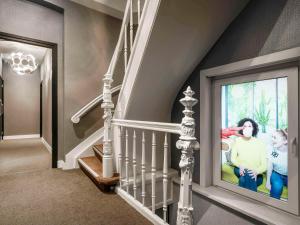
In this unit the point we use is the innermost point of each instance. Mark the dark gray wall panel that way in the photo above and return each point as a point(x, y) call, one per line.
point(263, 27)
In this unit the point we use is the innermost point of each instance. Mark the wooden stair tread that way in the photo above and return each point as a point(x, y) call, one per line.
point(95, 165)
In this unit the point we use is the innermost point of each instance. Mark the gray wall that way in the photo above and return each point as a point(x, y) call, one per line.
point(263, 27)
point(86, 40)
point(207, 213)
point(46, 77)
point(27, 19)
point(22, 102)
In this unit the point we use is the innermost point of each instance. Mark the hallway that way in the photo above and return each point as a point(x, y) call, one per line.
point(24, 155)
point(55, 196)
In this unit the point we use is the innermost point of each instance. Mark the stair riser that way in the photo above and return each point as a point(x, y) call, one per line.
point(97, 154)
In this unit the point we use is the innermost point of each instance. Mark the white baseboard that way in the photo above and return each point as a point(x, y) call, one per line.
point(60, 164)
point(84, 148)
point(15, 137)
point(49, 148)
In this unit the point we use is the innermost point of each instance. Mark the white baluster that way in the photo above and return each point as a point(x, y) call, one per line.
point(139, 10)
point(125, 48)
point(134, 164)
point(143, 170)
point(126, 162)
point(120, 156)
point(131, 25)
point(153, 170)
point(165, 177)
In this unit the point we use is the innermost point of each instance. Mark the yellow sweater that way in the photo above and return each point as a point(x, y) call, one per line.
point(250, 154)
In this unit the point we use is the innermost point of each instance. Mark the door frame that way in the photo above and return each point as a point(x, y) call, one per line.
point(53, 47)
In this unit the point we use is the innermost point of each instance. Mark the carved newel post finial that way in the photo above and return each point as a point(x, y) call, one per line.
point(187, 143)
point(107, 105)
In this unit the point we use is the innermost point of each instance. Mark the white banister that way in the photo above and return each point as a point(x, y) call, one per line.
point(120, 158)
point(134, 163)
point(131, 24)
point(107, 104)
point(139, 10)
point(84, 110)
point(153, 170)
point(165, 178)
point(126, 161)
point(125, 48)
point(187, 143)
point(143, 194)
point(147, 125)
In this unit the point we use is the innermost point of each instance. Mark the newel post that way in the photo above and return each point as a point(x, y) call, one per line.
point(187, 143)
point(107, 105)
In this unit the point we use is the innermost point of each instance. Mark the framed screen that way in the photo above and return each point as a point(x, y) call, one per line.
point(255, 135)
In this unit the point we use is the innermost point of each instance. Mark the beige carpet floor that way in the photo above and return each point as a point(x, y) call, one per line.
point(23, 155)
point(57, 197)
point(31, 193)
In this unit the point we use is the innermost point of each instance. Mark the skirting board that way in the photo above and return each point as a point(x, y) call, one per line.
point(49, 148)
point(15, 137)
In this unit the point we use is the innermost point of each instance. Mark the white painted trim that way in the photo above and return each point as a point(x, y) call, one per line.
point(94, 174)
point(60, 164)
point(15, 137)
point(276, 58)
point(74, 154)
point(139, 207)
point(49, 148)
point(138, 50)
point(96, 101)
point(244, 205)
point(149, 125)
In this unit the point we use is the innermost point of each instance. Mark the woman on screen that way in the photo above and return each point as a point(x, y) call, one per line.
point(277, 175)
point(249, 156)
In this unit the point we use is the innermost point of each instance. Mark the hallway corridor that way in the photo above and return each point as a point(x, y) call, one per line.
point(24, 155)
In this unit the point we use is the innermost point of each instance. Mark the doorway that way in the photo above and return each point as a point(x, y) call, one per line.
point(53, 88)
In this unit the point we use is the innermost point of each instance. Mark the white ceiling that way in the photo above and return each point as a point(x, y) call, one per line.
point(8, 47)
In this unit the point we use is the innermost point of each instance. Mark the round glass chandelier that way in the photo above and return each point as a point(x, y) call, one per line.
point(22, 64)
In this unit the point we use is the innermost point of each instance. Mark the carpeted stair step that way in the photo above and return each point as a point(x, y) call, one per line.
point(98, 150)
point(92, 167)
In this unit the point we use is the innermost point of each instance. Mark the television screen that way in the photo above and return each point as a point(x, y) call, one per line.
point(254, 149)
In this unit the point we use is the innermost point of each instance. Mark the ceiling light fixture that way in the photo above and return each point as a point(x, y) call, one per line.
point(22, 64)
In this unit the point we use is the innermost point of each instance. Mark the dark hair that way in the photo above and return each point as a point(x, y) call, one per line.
point(254, 125)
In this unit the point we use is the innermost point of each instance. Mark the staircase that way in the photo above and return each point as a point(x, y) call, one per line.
point(92, 167)
point(144, 178)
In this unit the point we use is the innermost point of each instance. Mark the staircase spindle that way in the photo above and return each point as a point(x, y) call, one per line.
point(126, 162)
point(165, 177)
point(139, 10)
point(125, 48)
point(120, 156)
point(134, 164)
point(143, 170)
point(131, 25)
point(153, 170)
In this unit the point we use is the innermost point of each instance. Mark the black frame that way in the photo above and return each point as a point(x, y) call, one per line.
point(53, 47)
